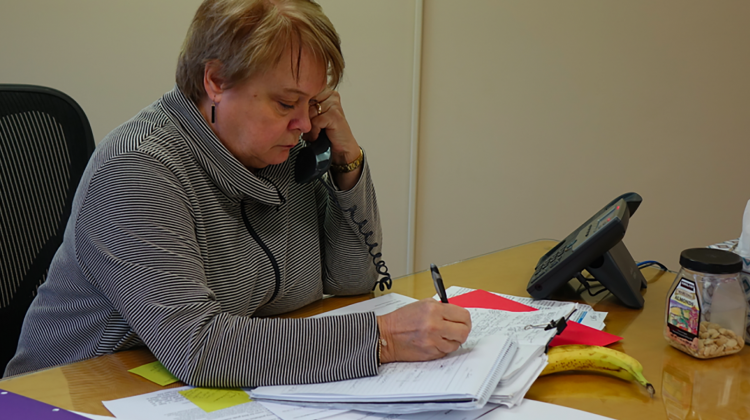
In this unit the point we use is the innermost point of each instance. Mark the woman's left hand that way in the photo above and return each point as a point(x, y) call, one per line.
point(328, 114)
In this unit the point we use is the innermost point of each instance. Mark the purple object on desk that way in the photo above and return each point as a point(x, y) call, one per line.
point(14, 406)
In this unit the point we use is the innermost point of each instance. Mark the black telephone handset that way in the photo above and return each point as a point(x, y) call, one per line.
point(312, 162)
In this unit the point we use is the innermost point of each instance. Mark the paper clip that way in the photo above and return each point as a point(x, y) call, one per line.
point(559, 325)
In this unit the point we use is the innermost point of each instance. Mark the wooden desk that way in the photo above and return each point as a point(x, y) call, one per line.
point(686, 388)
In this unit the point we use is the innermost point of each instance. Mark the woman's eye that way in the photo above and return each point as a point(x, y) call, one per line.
point(286, 106)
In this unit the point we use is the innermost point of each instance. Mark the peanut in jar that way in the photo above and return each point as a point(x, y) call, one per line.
point(706, 309)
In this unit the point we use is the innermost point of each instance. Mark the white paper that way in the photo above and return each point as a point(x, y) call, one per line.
point(526, 327)
point(94, 416)
point(461, 380)
point(282, 410)
point(430, 415)
point(524, 356)
point(532, 341)
point(530, 409)
point(582, 313)
point(534, 303)
point(295, 412)
point(526, 366)
point(527, 363)
point(381, 305)
point(743, 244)
point(484, 321)
point(169, 404)
point(511, 392)
point(586, 315)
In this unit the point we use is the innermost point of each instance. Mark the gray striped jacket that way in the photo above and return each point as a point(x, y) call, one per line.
point(156, 252)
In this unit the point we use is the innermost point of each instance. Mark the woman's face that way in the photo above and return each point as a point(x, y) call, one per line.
point(262, 118)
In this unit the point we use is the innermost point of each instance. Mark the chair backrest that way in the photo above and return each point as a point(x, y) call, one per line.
point(45, 144)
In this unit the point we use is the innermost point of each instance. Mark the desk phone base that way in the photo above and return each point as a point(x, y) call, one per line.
point(596, 246)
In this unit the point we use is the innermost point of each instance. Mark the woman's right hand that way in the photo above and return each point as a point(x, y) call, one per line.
point(423, 330)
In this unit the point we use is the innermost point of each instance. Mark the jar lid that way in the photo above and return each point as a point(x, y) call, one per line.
point(712, 261)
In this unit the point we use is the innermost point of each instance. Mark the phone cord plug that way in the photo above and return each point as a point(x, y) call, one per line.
point(380, 267)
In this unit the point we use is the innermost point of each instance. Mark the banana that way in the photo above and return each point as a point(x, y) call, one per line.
point(596, 359)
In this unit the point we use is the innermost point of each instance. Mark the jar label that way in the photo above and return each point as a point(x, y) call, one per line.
point(684, 312)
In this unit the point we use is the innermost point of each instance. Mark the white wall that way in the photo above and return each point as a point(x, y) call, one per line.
point(537, 113)
point(377, 42)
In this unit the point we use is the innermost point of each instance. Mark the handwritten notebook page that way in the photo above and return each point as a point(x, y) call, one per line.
point(574, 333)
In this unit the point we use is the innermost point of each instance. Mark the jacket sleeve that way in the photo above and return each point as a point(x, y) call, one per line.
point(352, 237)
point(136, 242)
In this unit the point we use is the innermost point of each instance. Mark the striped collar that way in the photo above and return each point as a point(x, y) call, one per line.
point(267, 186)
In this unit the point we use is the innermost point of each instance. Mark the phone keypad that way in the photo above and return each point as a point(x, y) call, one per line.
point(553, 259)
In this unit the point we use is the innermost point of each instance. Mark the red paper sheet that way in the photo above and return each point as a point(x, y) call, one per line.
point(574, 333)
point(487, 300)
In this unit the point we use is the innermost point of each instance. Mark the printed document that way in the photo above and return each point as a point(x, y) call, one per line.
point(583, 313)
point(462, 380)
point(281, 411)
point(170, 404)
point(530, 409)
point(528, 361)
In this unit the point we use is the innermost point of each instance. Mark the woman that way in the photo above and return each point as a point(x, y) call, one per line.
point(188, 228)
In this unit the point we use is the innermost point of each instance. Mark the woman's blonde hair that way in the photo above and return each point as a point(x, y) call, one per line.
point(250, 36)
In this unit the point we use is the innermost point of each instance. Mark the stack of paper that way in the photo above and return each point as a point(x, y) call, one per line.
point(525, 328)
point(525, 318)
point(513, 338)
point(528, 328)
point(172, 404)
point(462, 380)
point(522, 318)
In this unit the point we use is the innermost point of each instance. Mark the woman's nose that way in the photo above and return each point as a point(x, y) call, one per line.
point(301, 121)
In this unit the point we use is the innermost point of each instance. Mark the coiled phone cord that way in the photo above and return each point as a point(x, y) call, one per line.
point(380, 267)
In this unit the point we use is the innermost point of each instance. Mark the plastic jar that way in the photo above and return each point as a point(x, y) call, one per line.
point(706, 308)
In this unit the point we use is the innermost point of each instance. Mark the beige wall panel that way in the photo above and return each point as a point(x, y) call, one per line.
point(378, 43)
point(115, 58)
point(537, 113)
point(112, 57)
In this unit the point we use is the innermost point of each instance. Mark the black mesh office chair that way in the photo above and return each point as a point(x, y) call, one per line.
point(45, 143)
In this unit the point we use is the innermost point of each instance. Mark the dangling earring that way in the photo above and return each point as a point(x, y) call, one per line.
point(213, 112)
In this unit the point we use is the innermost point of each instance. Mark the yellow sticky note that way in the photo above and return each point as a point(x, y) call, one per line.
point(155, 372)
point(212, 399)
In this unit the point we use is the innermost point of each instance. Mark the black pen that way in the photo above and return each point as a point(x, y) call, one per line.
point(438, 280)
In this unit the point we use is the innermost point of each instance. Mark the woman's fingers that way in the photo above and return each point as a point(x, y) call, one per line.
point(325, 103)
point(328, 114)
point(447, 346)
point(456, 330)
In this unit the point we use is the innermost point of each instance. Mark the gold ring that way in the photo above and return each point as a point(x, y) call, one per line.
point(319, 108)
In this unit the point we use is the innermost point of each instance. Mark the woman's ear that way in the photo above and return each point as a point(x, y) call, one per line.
point(212, 81)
